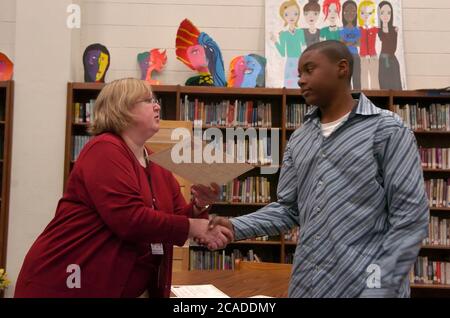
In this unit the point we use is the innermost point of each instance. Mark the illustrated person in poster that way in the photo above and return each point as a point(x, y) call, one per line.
point(350, 36)
point(291, 42)
point(311, 11)
point(368, 53)
point(389, 67)
point(331, 10)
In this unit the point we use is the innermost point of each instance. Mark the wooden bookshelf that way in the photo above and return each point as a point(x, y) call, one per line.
point(173, 95)
point(6, 121)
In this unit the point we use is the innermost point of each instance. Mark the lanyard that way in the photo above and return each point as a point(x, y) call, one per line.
point(147, 163)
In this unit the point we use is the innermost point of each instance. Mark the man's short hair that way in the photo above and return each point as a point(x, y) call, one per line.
point(335, 51)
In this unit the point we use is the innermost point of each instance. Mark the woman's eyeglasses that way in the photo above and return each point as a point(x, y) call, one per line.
point(150, 100)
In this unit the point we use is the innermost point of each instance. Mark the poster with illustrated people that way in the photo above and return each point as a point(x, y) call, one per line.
point(371, 29)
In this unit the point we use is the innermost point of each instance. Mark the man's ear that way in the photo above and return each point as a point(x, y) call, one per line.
point(343, 69)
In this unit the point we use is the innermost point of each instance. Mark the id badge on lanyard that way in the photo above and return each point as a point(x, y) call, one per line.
point(157, 248)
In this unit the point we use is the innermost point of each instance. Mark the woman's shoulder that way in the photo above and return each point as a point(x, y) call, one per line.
point(106, 142)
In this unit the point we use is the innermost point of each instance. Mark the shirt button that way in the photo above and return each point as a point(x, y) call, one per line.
point(318, 210)
point(317, 237)
point(324, 155)
point(154, 200)
point(320, 182)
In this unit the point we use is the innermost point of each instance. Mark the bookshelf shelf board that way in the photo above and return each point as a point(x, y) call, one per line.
point(231, 91)
point(430, 286)
point(241, 204)
point(436, 170)
point(440, 209)
point(432, 132)
point(256, 242)
point(436, 247)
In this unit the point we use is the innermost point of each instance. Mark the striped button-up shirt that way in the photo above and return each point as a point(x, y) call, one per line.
point(359, 198)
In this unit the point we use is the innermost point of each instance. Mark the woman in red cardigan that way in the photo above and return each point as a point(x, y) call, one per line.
point(116, 224)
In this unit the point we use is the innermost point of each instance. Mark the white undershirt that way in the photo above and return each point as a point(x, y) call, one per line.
point(328, 128)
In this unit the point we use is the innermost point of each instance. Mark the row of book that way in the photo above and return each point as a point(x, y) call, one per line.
point(438, 191)
point(252, 150)
point(78, 143)
point(292, 235)
point(226, 113)
point(438, 232)
point(249, 190)
point(83, 112)
point(295, 114)
point(218, 260)
point(435, 158)
point(433, 117)
point(426, 271)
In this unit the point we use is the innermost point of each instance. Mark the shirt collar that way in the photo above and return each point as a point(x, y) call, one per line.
point(365, 107)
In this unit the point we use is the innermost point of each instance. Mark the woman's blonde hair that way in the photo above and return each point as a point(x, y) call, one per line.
point(287, 4)
point(367, 4)
point(113, 105)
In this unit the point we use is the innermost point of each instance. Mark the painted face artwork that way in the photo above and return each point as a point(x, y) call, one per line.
point(155, 60)
point(144, 63)
point(6, 68)
point(198, 51)
point(96, 61)
point(247, 71)
point(251, 72)
point(197, 57)
point(92, 63)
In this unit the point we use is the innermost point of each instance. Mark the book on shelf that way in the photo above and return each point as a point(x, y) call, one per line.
point(229, 113)
point(426, 271)
point(295, 114)
point(248, 190)
point(418, 117)
point(435, 158)
point(253, 150)
point(83, 112)
point(438, 191)
point(219, 260)
point(289, 258)
point(78, 143)
point(292, 235)
point(438, 232)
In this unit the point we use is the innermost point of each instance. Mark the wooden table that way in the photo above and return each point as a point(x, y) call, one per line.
point(240, 283)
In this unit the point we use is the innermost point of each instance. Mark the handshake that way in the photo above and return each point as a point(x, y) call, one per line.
point(214, 234)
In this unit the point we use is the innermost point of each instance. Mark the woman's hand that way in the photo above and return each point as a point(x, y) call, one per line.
point(216, 237)
point(203, 196)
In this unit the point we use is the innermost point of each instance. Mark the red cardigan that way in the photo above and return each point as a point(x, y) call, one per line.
point(103, 217)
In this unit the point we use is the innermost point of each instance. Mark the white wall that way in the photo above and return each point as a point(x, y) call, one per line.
point(44, 64)
point(42, 69)
point(238, 28)
point(7, 27)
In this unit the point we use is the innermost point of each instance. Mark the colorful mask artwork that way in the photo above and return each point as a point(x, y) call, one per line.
point(96, 60)
point(6, 68)
point(247, 71)
point(155, 60)
point(200, 53)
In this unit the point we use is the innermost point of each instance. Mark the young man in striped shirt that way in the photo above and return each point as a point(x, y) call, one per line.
point(351, 178)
